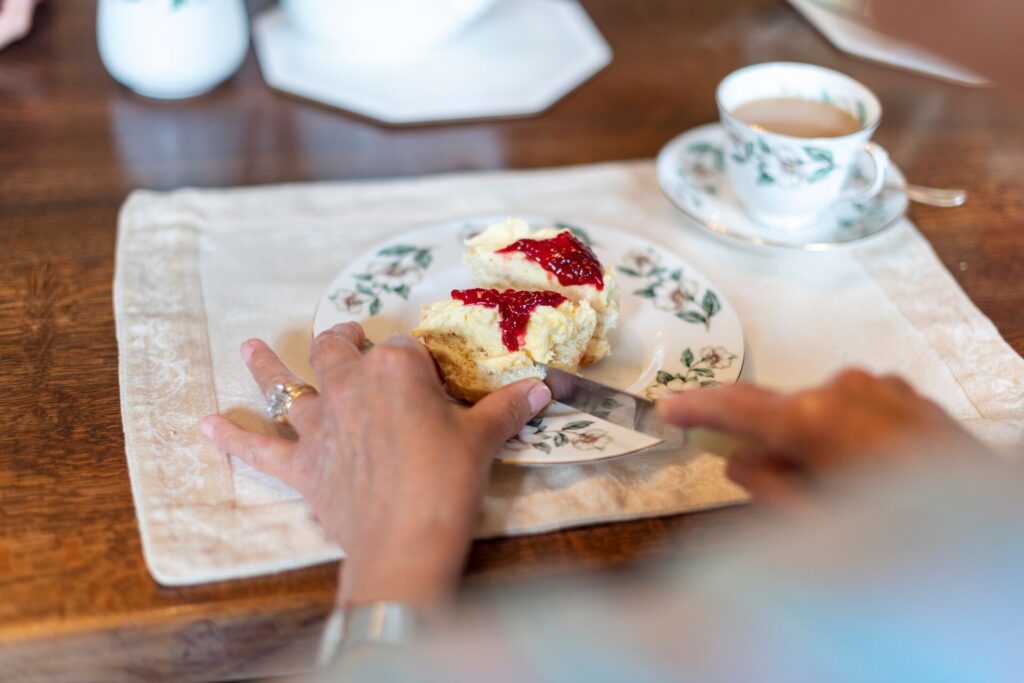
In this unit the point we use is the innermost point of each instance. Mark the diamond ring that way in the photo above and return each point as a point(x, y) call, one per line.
point(279, 402)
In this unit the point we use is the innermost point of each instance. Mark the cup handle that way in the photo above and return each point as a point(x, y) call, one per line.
point(880, 158)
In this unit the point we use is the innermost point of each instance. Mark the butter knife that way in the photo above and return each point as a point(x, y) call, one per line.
point(614, 405)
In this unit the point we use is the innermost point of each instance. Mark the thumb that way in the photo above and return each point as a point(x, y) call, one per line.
point(501, 414)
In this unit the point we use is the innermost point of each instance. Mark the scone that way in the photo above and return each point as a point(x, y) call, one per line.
point(509, 255)
point(483, 339)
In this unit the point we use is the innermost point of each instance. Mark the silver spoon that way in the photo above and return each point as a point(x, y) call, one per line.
point(935, 196)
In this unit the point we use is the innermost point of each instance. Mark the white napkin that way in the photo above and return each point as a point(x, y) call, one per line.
point(842, 23)
point(200, 271)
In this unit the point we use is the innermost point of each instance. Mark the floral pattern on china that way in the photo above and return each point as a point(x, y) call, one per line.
point(676, 331)
point(669, 289)
point(395, 271)
point(782, 165)
point(700, 372)
point(691, 172)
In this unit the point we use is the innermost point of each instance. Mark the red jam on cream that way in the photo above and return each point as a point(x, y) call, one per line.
point(564, 256)
point(514, 308)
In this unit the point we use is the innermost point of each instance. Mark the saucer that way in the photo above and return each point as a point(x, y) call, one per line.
point(691, 172)
point(517, 59)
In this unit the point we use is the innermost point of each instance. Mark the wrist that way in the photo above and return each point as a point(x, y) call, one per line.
point(425, 589)
point(423, 572)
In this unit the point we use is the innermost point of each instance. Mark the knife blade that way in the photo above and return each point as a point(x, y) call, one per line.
point(608, 403)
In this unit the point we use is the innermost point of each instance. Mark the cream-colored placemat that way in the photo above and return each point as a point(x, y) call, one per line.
point(200, 271)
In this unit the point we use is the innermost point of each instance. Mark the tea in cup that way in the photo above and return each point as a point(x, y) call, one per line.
point(796, 133)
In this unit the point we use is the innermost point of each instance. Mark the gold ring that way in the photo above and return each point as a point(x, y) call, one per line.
point(281, 396)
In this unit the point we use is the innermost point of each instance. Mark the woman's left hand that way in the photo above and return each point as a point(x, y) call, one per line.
point(394, 470)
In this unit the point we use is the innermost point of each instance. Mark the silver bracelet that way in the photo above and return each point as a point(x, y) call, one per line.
point(375, 623)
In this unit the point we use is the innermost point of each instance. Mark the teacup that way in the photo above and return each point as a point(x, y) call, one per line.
point(784, 181)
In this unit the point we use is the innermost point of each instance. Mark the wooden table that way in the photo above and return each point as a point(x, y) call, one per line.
point(76, 602)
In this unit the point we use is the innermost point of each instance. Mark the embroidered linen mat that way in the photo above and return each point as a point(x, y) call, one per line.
point(200, 271)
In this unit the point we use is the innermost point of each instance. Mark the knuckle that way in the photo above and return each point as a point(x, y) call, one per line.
point(811, 415)
point(354, 331)
point(898, 382)
point(320, 345)
point(256, 450)
point(327, 336)
point(854, 378)
point(261, 363)
point(808, 410)
point(335, 341)
point(318, 342)
point(808, 403)
point(349, 331)
point(394, 356)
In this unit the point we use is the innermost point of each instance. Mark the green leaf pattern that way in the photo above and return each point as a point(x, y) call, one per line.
point(699, 373)
point(669, 289)
point(702, 171)
point(394, 271)
point(580, 435)
point(863, 216)
point(782, 165)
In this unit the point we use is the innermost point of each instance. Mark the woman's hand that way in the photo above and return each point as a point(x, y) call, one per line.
point(393, 469)
point(797, 440)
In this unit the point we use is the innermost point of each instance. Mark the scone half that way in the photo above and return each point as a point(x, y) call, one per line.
point(511, 255)
point(484, 339)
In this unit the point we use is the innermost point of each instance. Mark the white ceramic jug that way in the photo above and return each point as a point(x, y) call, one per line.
point(172, 49)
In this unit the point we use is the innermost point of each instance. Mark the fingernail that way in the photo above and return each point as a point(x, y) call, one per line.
point(246, 350)
point(539, 396)
point(206, 427)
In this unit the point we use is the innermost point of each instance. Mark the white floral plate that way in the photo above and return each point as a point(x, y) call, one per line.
point(676, 331)
point(691, 172)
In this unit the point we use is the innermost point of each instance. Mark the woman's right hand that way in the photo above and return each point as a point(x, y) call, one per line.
point(795, 441)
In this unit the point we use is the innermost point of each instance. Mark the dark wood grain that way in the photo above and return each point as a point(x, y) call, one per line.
point(76, 602)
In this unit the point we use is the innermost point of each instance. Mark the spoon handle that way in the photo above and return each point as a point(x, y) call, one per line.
point(934, 196)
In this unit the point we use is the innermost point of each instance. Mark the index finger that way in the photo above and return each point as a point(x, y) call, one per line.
point(751, 412)
point(335, 348)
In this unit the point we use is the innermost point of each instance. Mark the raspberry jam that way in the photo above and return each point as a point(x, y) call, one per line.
point(564, 256)
point(514, 309)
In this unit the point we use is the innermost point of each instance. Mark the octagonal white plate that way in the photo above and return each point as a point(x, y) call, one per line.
point(517, 59)
point(676, 331)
